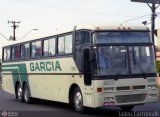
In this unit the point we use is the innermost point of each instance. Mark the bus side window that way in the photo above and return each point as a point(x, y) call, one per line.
point(15, 52)
point(33, 51)
point(49, 47)
point(82, 37)
point(65, 44)
point(61, 49)
point(36, 49)
point(6, 54)
point(25, 50)
point(68, 44)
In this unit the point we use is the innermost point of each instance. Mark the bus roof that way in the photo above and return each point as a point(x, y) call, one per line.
point(94, 27)
point(111, 26)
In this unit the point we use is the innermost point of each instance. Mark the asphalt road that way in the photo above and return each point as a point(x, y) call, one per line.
point(54, 109)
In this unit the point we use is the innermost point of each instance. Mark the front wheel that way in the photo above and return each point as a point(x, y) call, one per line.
point(78, 101)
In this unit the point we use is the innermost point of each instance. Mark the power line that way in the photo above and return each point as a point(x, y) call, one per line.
point(73, 10)
point(136, 18)
point(140, 17)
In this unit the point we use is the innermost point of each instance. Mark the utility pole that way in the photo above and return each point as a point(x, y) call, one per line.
point(153, 10)
point(14, 28)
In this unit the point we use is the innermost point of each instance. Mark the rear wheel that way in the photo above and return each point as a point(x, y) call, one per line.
point(78, 100)
point(19, 93)
point(127, 108)
point(27, 97)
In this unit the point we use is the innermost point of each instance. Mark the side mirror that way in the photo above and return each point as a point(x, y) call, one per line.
point(92, 56)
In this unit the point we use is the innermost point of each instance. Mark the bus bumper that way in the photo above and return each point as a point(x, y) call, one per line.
point(125, 98)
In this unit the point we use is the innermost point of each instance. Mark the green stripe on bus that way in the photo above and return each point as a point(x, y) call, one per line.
point(16, 72)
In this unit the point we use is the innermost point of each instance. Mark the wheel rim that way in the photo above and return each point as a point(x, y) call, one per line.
point(26, 94)
point(78, 100)
point(19, 93)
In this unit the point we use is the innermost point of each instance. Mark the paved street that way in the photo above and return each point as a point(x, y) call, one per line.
point(43, 108)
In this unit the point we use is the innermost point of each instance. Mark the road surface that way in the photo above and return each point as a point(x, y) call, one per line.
point(44, 108)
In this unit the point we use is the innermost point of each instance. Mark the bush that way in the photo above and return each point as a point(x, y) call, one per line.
point(158, 67)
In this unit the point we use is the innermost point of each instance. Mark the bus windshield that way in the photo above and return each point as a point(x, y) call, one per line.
point(124, 60)
point(122, 37)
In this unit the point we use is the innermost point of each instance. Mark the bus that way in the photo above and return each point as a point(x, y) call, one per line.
point(88, 66)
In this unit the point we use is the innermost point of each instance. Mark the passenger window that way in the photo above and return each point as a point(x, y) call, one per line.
point(15, 52)
point(36, 49)
point(33, 49)
point(25, 50)
point(61, 45)
point(65, 44)
point(6, 54)
point(49, 47)
point(68, 44)
point(82, 37)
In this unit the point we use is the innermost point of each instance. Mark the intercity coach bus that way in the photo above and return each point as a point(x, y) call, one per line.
point(89, 66)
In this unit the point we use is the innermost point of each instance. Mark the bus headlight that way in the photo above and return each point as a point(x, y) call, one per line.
point(109, 99)
point(151, 80)
point(152, 86)
point(152, 95)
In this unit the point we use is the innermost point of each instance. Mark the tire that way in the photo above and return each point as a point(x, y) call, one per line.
point(19, 93)
point(78, 101)
point(27, 96)
point(127, 108)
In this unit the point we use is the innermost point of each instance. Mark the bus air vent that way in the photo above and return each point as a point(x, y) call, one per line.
point(130, 98)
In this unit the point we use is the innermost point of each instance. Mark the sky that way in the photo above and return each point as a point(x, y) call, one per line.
point(50, 15)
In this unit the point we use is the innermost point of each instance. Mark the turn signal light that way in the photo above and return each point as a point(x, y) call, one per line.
point(99, 89)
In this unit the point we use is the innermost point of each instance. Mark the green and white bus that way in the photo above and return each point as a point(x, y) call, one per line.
point(90, 66)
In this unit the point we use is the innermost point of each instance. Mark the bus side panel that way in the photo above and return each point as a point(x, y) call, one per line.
point(7, 83)
point(14, 72)
point(50, 87)
point(51, 79)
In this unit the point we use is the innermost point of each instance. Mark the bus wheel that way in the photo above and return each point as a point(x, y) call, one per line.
point(127, 108)
point(27, 97)
point(19, 94)
point(78, 101)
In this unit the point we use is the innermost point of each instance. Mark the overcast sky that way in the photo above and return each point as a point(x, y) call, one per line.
point(49, 15)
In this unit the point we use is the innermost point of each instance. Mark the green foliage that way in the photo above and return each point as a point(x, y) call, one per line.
point(159, 91)
point(158, 67)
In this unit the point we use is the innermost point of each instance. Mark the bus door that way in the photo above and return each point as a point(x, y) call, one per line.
point(82, 55)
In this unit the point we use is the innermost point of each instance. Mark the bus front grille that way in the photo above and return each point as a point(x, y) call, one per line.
point(139, 87)
point(123, 88)
point(130, 98)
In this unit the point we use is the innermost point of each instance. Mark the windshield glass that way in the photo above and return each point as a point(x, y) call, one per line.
point(111, 60)
point(141, 59)
point(122, 37)
point(124, 60)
